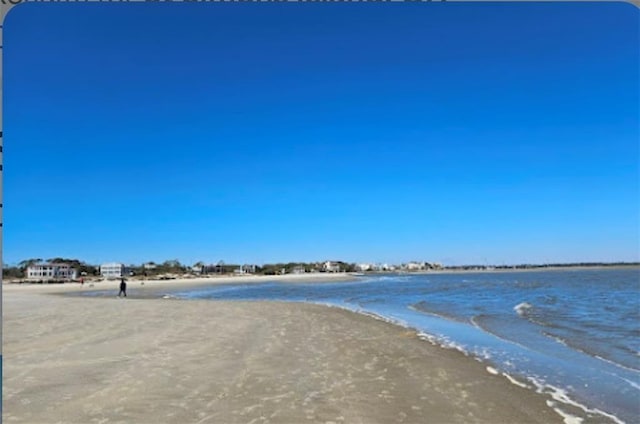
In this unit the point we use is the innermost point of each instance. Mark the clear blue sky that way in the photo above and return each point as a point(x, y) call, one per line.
point(262, 132)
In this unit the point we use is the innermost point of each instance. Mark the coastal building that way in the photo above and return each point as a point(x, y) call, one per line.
point(364, 267)
point(383, 267)
point(298, 270)
point(247, 269)
point(211, 269)
point(51, 271)
point(415, 266)
point(329, 266)
point(114, 270)
point(222, 268)
point(149, 265)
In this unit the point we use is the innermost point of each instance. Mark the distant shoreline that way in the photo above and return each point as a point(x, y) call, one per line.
point(98, 283)
point(151, 285)
point(533, 268)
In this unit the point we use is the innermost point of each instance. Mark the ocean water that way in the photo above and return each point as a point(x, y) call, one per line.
point(574, 334)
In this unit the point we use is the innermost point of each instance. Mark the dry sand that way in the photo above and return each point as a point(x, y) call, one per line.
point(108, 360)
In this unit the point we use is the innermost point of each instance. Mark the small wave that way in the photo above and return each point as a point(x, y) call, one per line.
point(532, 314)
point(555, 338)
point(477, 322)
point(512, 380)
point(423, 308)
point(523, 308)
point(624, 367)
point(388, 278)
point(632, 383)
point(577, 348)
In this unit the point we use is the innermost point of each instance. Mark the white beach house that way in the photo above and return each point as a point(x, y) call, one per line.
point(248, 269)
point(51, 271)
point(415, 266)
point(329, 266)
point(114, 270)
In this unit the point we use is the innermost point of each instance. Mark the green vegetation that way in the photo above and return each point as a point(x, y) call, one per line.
point(20, 270)
point(174, 267)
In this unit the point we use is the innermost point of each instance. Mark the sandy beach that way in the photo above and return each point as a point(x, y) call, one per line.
point(148, 360)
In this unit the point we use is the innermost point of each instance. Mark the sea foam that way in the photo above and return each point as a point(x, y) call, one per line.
point(522, 308)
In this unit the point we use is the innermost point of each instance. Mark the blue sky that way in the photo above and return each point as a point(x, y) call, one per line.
point(262, 132)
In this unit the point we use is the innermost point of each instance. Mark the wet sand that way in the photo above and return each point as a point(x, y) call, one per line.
point(109, 360)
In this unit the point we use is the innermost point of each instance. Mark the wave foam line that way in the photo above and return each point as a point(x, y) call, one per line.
point(436, 340)
point(614, 363)
point(567, 418)
point(512, 380)
point(556, 393)
point(632, 384)
point(562, 396)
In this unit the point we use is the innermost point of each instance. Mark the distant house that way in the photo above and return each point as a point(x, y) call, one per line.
point(213, 269)
point(329, 266)
point(364, 267)
point(298, 270)
point(382, 267)
point(433, 265)
point(247, 269)
point(415, 266)
point(51, 271)
point(113, 270)
point(149, 265)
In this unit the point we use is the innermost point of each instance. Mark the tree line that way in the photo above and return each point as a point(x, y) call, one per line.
point(174, 266)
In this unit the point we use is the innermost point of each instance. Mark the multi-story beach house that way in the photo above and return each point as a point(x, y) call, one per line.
point(415, 266)
point(51, 271)
point(113, 270)
point(329, 266)
point(246, 269)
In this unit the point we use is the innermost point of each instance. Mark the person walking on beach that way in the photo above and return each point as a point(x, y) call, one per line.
point(123, 288)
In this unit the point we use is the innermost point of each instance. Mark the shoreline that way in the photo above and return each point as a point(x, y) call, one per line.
point(262, 361)
point(554, 399)
point(186, 283)
point(507, 270)
point(101, 284)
